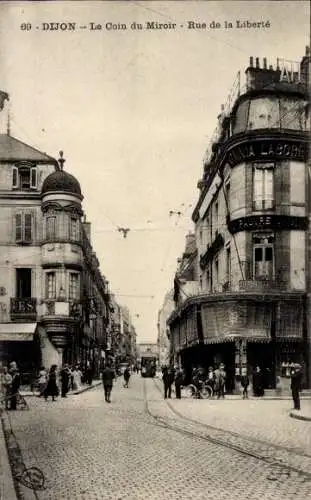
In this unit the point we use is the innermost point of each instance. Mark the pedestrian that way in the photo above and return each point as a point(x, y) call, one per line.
point(126, 376)
point(15, 385)
point(51, 387)
point(77, 375)
point(42, 380)
point(211, 378)
point(89, 373)
point(6, 384)
point(244, 385)
point(220, 381)
point(258, 386)
point(179, 380)
point(65, 380)
point(165, 379)
point(108, 377)
point(296, 379)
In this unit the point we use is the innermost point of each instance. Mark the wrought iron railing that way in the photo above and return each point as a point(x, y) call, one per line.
point(23, 307)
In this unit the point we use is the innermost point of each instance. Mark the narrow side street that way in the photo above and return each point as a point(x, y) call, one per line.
point(88, 449)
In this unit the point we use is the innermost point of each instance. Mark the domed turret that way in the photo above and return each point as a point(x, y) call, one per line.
point(61, 181)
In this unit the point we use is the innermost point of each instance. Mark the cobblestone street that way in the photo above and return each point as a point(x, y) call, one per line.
point(89, 450)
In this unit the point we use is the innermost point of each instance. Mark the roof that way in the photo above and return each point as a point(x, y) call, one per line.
point(13, 150)
point(61, 181)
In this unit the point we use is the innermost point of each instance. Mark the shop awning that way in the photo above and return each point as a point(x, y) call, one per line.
point(15, 332)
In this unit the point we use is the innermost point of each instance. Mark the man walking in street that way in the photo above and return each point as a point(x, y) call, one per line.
point(296, 378)
point(65, 379)
point(126, 376)
point(16, 382)
point(108, 376)
point(179, 380)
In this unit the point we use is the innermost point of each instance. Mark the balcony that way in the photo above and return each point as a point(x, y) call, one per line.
point(24, 308)
point(263, 286)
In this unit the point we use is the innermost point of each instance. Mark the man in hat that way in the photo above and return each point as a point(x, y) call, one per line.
point(296, 379)
point(15, 385)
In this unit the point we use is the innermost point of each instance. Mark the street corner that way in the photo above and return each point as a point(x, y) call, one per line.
point(304, 415)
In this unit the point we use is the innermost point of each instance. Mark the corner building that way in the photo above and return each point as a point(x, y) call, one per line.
point(54, 302)
point(252, 232)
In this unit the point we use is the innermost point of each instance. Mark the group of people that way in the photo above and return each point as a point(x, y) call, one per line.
point(215, 378)
point(69, 378)
point(10, 384)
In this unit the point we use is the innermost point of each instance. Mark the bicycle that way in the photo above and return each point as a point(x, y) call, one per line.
point(204, 391)
point(21, 403)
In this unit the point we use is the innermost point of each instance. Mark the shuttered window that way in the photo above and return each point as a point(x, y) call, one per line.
point(33, 177)
point(50, 228)
point(19, 227)
point(23, 228)
point(15, 177)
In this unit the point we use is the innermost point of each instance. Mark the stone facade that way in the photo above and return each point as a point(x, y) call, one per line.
point(251, 231)
point(50, 275)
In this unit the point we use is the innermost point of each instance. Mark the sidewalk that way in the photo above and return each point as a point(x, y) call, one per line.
point(303, 414)
point(85, 387)
point(7, 489)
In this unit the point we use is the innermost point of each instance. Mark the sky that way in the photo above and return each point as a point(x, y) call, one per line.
point(134, 111)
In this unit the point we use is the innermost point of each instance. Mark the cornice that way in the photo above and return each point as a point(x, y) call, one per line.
point(242, 139)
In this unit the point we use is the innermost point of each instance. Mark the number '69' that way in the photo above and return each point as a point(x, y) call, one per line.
point(26, 26)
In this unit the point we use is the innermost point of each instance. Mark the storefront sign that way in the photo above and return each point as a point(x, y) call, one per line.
point(274, 222)
point(267, 150)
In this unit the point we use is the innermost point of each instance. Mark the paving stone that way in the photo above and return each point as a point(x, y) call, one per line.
point(88, 449)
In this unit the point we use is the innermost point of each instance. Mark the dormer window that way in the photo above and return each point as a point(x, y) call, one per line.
point(24, 177)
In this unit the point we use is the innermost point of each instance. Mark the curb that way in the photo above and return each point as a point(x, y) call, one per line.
point(95, 384)
point(299, 416)
point(7, 487)
point(87, 388)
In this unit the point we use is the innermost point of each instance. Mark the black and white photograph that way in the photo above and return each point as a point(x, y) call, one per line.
point(155, 250)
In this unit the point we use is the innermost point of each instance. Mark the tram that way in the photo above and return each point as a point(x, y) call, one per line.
point(148, 366)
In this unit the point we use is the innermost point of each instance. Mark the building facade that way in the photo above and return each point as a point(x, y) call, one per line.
point(54, 304)
point(252, 232)
point(123, 346)
point(163, 330)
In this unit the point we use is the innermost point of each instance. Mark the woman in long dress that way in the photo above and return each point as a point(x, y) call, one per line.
point(52, 388)
point(76, 378)
point(43, 380)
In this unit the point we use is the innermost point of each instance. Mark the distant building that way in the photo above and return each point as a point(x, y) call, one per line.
point(163, 330)
point(147, 349)
point(252, 233)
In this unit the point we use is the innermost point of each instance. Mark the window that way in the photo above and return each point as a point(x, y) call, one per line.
point(216, 270)
point(73, 231)
point(50, 228)
point(23, 283)
point(263, 258)
point(263, 186)
point(24, 177)
point(227, 200)
point(50, 285)
point(228, 263)
point(216, 217)
point(73, 285)
point(23, 228)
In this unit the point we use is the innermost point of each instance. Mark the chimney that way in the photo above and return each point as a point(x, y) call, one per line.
point(257, 62)
point(264, 63)
point(251, 62)
point(271, 67)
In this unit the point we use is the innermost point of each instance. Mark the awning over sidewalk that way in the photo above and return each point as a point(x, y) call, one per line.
point(14, 332)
